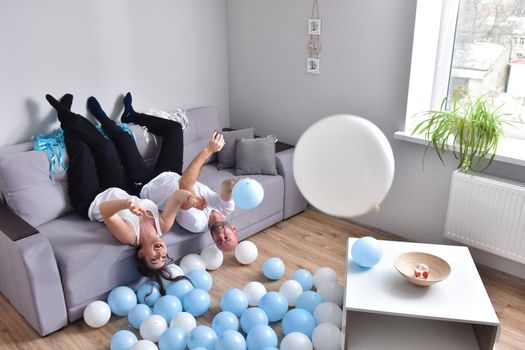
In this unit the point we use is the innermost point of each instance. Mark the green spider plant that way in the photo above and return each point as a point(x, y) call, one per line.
point(471, 129)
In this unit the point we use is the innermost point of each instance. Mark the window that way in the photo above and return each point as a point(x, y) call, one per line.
point(472, 47)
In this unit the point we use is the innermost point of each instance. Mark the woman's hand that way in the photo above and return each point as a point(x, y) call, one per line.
point(216, 142)
point(135, 207)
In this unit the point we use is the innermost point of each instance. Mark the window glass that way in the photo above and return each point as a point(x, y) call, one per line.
point(489, 49)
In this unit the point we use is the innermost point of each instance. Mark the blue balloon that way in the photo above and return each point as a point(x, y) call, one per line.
point(138, 314)
point(234, 300)
point(273, 268)
point(298, 320)
point(230, 340)
point(196, 302)
point(247, 193)
point(148, 293)
point(123, 340)
point(172, 339)
point(201, 279)
point(225, 321)
point(270, 348)
point(167, 306)
point(252, 317)
point(121, 300)
point(261, 337)
point(308, 300)
point(179, 288)
point(202, 336)
point(304, 277)
point(275, 305)
point(366, 252)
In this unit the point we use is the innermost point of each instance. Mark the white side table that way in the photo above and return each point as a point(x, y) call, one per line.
point(382, 310)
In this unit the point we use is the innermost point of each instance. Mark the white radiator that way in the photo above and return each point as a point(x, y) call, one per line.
point(487, 213)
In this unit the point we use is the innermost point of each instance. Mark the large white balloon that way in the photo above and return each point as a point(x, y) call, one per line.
point(246, 252)
point(344, 165)
point(97, 314)
point(291, 289)
point(185, 321)
point(333, 292)
point(328, 312)
point(212, 256)
point(144, 345)
point(324, 275)
point(175, 271)
point(326, 336)
point(153, 327)
point(296, 341)
point(254, 291)
point(192, 262)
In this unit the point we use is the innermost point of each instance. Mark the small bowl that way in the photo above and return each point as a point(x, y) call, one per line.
point(438, 269)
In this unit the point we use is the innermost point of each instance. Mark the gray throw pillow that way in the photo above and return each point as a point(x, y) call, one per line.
point(256, 156)
point(226, 155)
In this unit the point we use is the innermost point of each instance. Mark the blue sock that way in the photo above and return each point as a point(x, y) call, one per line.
point(95, 109)
point(128, 109)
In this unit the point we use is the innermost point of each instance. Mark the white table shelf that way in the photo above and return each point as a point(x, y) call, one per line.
point(381, 299)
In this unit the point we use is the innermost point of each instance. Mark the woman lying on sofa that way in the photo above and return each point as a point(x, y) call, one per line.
point(96, 181)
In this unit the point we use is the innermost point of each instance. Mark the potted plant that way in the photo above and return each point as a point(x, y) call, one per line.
point(471, 129)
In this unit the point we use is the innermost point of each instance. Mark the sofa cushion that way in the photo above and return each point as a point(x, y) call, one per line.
point(256, 156)
point(28, 190)
point(203, 122)
point(226, 155)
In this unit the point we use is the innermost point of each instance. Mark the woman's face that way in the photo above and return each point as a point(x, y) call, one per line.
point(154, 253)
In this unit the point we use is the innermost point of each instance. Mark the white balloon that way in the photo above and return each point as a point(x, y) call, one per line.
point(144, 345)
point(328, 312)
point(291, 289)
point(324, 275)
point(357, 157)
point(97, 314)
point(175, 271)
point(254, 291)
point(153, 327)
point(192, 262)
point(331, 292)
point(184, 320)
point(296, 341)
point(212, 257)
point(326, 336)
point(246, 252)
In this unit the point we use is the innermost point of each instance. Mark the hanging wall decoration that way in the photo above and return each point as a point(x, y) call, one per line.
point(314, 43)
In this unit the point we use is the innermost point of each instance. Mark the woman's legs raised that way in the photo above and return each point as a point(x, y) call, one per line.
point(172, 149)
point(105, 162)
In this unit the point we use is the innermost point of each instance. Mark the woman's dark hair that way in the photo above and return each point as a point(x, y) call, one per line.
point(158, 274)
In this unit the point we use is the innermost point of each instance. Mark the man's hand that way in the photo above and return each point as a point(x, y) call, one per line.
point(216, 142)
point(226, 189)
point(135, 208)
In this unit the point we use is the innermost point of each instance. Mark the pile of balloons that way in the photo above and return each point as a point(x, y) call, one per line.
point(309, 318)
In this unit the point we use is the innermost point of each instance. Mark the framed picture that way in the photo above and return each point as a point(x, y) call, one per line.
point(314, 26)
point(312, 65)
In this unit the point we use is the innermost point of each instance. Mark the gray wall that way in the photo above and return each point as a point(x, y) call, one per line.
point(168, 53)
point(365, 63)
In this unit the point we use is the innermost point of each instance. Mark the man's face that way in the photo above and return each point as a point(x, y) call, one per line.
point(224, 235)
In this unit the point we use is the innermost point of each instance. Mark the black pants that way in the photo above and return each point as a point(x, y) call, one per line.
point(96, 163)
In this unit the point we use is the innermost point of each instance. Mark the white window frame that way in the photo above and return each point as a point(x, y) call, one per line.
point(433, 43)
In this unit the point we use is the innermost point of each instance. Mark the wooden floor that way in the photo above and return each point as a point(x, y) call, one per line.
point(310, 240)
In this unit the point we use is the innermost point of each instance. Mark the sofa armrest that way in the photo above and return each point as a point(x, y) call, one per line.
point(294, 201)
point(30, 279)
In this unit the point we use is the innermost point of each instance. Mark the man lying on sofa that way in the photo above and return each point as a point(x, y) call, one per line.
point(209, 209)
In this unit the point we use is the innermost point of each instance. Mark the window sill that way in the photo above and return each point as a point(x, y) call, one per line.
point(510, 150)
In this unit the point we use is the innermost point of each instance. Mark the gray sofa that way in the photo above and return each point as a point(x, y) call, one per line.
point(50, 276)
